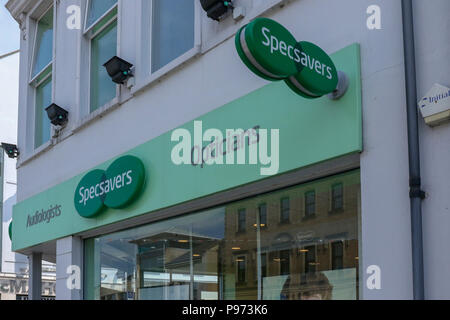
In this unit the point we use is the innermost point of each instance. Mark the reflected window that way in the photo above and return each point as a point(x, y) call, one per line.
point(310, 204)
point(285, 261)
point(241, 220)
point(263, 265)
point(310, 259)
point(337, 197)
point(241, 268)
point(262, 210)
point(337, 255)
point(284, 210)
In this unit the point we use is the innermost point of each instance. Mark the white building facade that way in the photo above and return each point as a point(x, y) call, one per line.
point(14, 266)
point(335, 207)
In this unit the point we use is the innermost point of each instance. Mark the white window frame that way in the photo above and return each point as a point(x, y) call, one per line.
point(32, 151)
point(145, 76)
point(85, 113)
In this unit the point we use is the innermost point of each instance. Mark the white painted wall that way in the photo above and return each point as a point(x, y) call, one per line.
point(218, 76)
point(432, 27)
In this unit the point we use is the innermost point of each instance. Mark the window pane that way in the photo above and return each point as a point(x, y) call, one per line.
point(98, 8)
point(200, 256)
point(177, 259)
point(43, 50)
point(42, 123)
point(103, 48)
point(173, 30)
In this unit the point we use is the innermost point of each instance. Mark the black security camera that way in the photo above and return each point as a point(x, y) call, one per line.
point(57, 115)
point(118, 69)
point(216, 9)
point(11, 150)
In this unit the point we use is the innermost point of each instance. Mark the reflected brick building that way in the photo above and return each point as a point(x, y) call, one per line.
point(311, 228)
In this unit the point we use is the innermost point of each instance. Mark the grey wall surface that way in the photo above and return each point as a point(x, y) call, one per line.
point(218, 76)
point(432, 29)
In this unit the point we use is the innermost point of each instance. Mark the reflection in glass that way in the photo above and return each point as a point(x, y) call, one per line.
point(337, 197)
point(263, 215)
point(241, 220)
point(201, 256)
point(337, 255)
point(310, 203)
point(103, 48)
point(42, 123)
point(172, 30)
point(97, 8)
point(43, 50)
point(285, 208)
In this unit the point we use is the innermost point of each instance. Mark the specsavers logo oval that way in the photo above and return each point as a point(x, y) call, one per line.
point(114, 188)
point(317, 74)
point(270, 51)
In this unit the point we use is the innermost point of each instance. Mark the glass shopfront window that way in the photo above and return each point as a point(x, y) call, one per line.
point(201, 256)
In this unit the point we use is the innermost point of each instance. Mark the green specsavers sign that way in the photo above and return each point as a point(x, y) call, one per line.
point(114, 188)
point(271, 52)
point(145, 179)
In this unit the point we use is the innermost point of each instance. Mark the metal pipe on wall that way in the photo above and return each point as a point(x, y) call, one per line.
point(415, 193)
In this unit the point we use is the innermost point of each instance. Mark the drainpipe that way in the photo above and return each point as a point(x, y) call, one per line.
point(416, 194)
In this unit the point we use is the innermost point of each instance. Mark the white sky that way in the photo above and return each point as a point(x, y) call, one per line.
point(9, 31)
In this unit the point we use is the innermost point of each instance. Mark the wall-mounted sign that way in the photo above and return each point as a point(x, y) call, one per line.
point(435, 106)
point(44, 215)
point(114, 188)
point(270, 51)
point(172, 184)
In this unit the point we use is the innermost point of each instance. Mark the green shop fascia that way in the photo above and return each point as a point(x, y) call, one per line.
point(145, 179)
